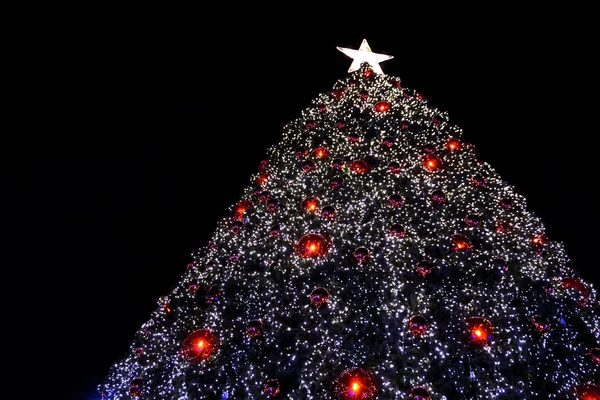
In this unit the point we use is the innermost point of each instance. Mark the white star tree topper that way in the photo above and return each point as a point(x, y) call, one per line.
point(364, 54)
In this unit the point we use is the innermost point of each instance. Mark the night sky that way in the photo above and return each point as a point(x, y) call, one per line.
point(158, 131)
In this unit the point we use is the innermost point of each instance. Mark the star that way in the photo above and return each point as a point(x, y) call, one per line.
point(364, 54)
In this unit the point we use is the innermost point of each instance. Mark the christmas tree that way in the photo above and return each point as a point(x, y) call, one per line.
point(371, 256)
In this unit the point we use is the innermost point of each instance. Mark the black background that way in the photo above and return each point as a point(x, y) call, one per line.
point(149, 128)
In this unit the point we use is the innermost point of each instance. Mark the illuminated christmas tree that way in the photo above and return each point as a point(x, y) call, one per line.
point(371, 256)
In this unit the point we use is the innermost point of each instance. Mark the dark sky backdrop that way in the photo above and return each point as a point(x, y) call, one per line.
point(159, 128)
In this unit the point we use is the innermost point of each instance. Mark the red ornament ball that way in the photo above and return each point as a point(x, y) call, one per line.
point(436, 119)
point(461, 243)
point(321, 152)
point(479, 180)
point(337, 93)
point(271, 387)
point(394, 167)
point(275, 230)
point(502, 226)
point(587, 391)
point(594, 354)
point(340, 125)
point(361, 254)
point(540, 239)
point(328, 212)
point(319, 296)
point(472, 220)
point(135, 387)
point(263, 196)
point(453, 144)
point(312, 245)
point(419, 393)
point(354, 138)
point(241, 207)
point(479, 330)
point(387, 141)
point(301, 152)
point(254, 328)
point(359, 166)
point(424, 268)
point(382, 106)
point(337, 163)
point(263, 178)
point(336, 182)
point(417, 324)
point(310, 204)
point(198, 346)
point(437, 196)
point(505, 203)
point(395, 200)
point(193, 288)
point(540, 324)
point(356, 384)
point(138, 351)
point(311, 125)
point(308, 166)
point(364, 95)
point(272, 205)
point(236, 226)
point(397, 230)
point(431, 162)
point(263, 165)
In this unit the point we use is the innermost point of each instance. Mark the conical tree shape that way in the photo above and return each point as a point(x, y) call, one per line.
point(372, 255)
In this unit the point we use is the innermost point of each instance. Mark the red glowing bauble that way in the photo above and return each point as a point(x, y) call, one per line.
point(321, 152)
point(274, 231)
point(540, 239)
point(437, 196)
point(368, 72)
point(354, 138)
point(394, 167)
point(540, 324)
point(382, 106)
point(198, 346)
point(505, 203)
point(311, 125)
point(263, 178)
point(361, 254)
point(337, 93)
point(502, 226)
point(241, 207)
point(429, 149)
point(236, 226)
point(453, 144)
point(387, 141)
point(138, 351)
point(356, 384)
point(397, 230)
point(308, 166)
point(472, 220)
point(135, 387)
point(594, 354)
point(461, 243)
point(479, 180)
point(419, 393)
point(337, 163)
point(587, 391)
point(272, 205)
point(301, 152)
point(319, 296)
point(574, 283)
point(193, 288)
point(254, 328)
point(328, 212)
point(424, 268)
point(431, 162)
point(271, 387)
point(417, 324)
point(310, 204)
point(312, 245)
point(359, 166)
point(395, 200)
point(479, 330)
point(336, 182)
